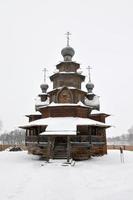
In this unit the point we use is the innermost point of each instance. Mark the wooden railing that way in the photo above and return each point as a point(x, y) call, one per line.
point(97, 138)
point(35, 139)
point(77, 138)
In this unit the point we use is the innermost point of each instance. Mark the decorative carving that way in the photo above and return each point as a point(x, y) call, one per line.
point(64, 96)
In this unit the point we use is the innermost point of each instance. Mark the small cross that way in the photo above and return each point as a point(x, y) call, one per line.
point(68, 34)
point(89, 73)
point(44, 71)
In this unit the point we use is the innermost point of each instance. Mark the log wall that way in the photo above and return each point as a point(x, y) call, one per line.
point(81, 147)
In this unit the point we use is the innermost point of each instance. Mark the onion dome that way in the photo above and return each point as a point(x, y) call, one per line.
point(44, 87)
point(89, 87)
point(68, 52)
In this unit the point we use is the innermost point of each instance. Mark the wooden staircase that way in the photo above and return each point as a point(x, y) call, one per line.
point(60, 151)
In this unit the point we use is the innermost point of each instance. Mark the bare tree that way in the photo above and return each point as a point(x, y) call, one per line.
point(125, 139)
point(15, 137)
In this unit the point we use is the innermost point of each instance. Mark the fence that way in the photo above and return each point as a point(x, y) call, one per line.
point(125, 147)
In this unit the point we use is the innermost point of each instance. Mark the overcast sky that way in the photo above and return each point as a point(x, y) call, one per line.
point(32, 36)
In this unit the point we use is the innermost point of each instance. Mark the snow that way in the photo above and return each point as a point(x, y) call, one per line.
point(40, 103)
point(24, 177)
point(64, 72)
point(68, 123)
point(43, 94)
point(67, 72)
point(61, 104)
point(59, 132)
point(73, 88)
point(53, 104)
point(98, 112)
point(34, 113)
point(93, 102)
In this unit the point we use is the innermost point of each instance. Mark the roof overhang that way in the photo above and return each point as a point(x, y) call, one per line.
point(70, 88)
point(65, 133)
point(82, 77)
point(63, 123)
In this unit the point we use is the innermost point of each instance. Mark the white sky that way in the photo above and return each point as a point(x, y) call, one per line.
point(32, 36)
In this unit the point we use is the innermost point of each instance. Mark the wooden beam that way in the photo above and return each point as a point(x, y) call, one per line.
point(81, 144)
point(68, 148)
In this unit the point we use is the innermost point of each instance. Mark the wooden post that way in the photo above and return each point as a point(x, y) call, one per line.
point(48, 148)
point(52, 147)
point(37, 131)
point(89, 130)
point(90, 149)
point(68, 148)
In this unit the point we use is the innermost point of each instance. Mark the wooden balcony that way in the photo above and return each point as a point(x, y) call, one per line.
point(86, 140)
point(98, 140)
point(38, 140)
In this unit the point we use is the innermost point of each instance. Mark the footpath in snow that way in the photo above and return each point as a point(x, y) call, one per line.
point(24, 177)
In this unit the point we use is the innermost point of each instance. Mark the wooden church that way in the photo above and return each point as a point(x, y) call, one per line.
point(67, 122)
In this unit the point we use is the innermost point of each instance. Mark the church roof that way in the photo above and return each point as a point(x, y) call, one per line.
point(71, 88)
point(64, 123)
point(34, 113)
point(59, 133)
point(52, 104)
point(97, 112)
point(94, 102)
point(67, 73)
point(69, 62)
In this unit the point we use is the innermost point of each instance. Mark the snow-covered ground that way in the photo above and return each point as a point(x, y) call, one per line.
point(25, 177)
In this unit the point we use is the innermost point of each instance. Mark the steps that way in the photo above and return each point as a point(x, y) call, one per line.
point(60, 152)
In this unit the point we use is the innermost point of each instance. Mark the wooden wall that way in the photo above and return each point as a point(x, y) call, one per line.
point(65, 111)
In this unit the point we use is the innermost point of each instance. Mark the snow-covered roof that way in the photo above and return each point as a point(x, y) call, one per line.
point(33, 113)
point(98, 112)
point(42, 94)
point(40, 103)
point(90, 93)
point(53, 104)
point(67, 72)
point(63, 123)
point(67, 104)
point(93, 102)
point(59, 133)
point(73, 88)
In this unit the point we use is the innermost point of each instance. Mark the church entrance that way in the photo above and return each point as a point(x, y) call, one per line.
point(60, 147)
